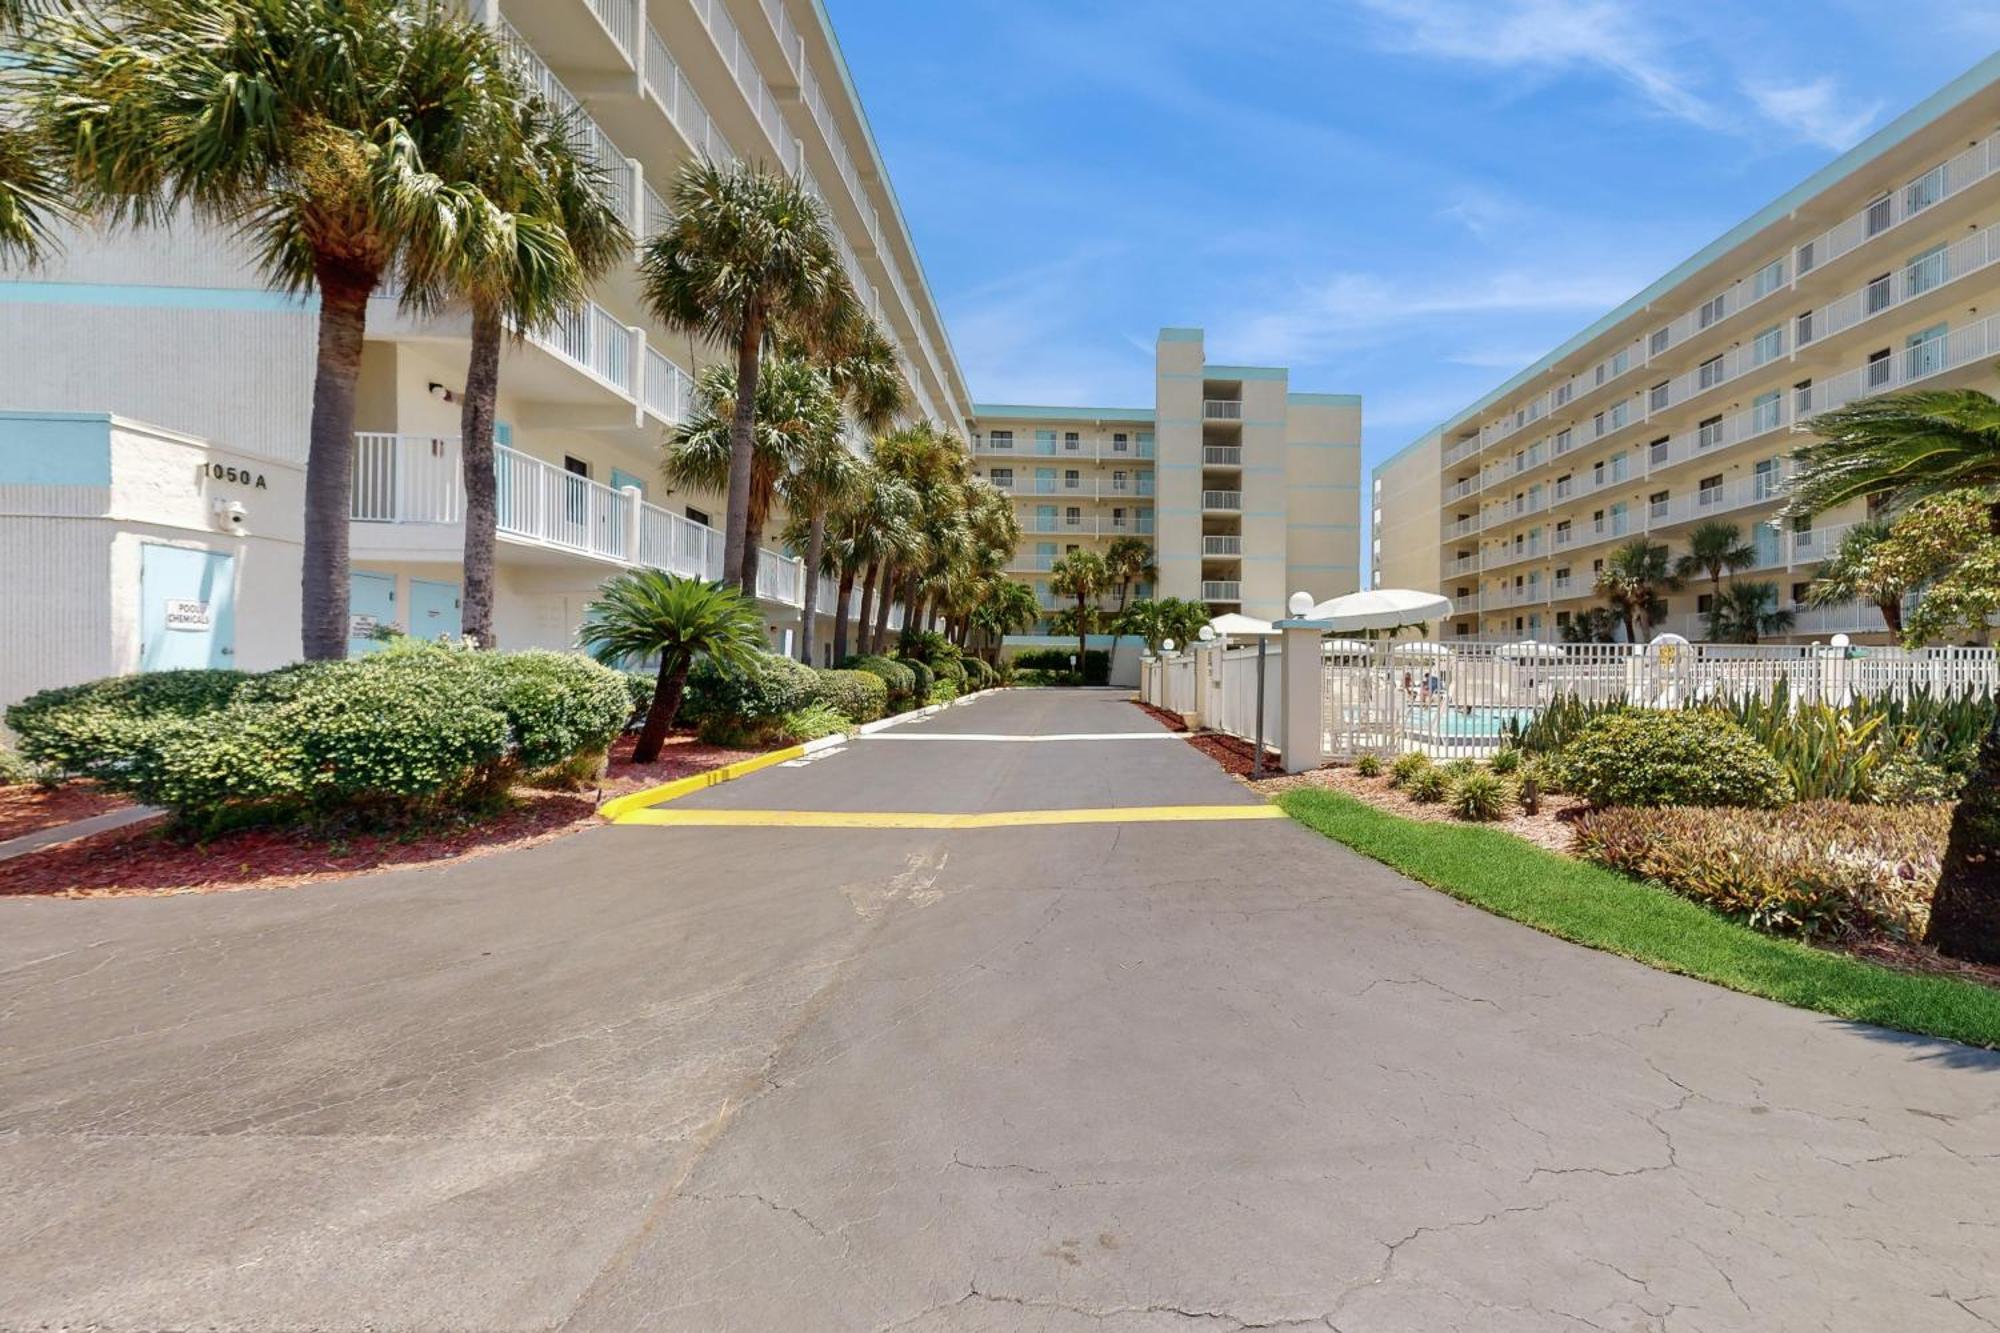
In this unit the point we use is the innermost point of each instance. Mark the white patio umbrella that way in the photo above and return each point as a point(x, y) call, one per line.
point(1381, 608)
point(1419, 648)
point(1348, 647)
point(1235, 625)
point(1528, 649)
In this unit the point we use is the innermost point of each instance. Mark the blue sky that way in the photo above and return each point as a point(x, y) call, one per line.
point(1406, 199)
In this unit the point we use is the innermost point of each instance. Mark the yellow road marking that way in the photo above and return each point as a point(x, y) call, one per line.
point(922, 819)
point(620, 808)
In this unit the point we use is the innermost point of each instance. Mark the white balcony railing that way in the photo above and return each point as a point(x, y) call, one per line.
point(1221, 590)
point(591, 339)
point(1222, 455)
point(1227, 501)
point(1222, 545)
point(669, 87)
point(586, 136)
point(1924, 274)
point(1222, 409)
point(1764, 488)
point(669, 392)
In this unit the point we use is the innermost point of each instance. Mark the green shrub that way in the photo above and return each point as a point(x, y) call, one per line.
point(91, 729)
point(858, 696)
point(896, 676)
point(745, 705)
point(16, 771)
point(1506, 761)
point(639, 686)
point(943, 691)
point(979, 674)
point(1907, 779)
point(563, 711)
point(1096, 662)
point(1407, 766)
point(1458, 768)
point(1688, 757)
point(1560, 721)
point(1825, 869)
point(811, 723)
point(1368, 766)
point(1481, 795)
point(1428, 784)
point(1030, 676)
point(920, 692)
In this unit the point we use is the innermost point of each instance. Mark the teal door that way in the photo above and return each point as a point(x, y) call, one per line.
point(433, 609)
point(371, 601)
point(188, 608)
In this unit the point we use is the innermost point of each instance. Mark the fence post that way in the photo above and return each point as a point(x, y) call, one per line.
point(1206, 684)
point(1301, 687)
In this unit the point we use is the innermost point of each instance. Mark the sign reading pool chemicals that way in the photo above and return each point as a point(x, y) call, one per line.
point(361, 627)
point(186, 614)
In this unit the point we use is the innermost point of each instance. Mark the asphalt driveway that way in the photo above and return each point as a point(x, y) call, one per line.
point(1098, 1076)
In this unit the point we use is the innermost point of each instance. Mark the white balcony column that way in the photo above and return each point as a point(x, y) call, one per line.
point(635, 517)
point(635, 353)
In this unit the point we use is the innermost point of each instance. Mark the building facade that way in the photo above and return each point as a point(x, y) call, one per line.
point(1683, 405)
point(1245, 491)
point(150, 345)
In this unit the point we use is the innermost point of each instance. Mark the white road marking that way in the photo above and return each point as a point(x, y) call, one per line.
point(1051, 736)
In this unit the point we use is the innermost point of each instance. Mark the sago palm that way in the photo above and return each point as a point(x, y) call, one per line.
point(795, 407)
point(539, 227)
point(747, 257)
point(646, 613)
point(306, 127)
point(1081, 575)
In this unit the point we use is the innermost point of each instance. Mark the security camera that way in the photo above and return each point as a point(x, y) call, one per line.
point(231, 516)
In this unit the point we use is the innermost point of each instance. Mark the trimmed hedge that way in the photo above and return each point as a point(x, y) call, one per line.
point(858, 696)
point(1646, 757)
point(979, 674)
point(87, 730)
point(747, 706)
point(896, 676)
point(562, 710)
point(921, 692)
point(1096, 663)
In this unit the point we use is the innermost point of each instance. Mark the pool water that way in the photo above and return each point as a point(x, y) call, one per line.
point(1486, 723)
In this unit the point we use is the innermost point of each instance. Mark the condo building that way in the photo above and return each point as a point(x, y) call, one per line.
point(1881, 272)
point(1245, 491)
point(155, 393)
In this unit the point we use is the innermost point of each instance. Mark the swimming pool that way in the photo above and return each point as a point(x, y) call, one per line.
point(1473, 721)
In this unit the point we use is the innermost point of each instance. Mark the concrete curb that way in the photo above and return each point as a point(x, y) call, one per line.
point(59, 834)
point(615, 809)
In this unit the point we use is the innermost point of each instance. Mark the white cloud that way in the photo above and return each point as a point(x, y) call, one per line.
point(1815, 110)
point(1019, 339)
point(1554, 35)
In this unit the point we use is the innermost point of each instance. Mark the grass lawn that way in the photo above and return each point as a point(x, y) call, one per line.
point(1605, 910)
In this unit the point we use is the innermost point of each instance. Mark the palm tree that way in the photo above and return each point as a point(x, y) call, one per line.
point(1852, 576)
point(1746, 612)
point(1082, 575)
point(823, 476)
point(1008, 608)
point(873, 520)
point(308, 128)
point(1632, 579)
point(1715, 547)
point(748, 256)
point(645, 613)
point(934, 467)
point(548, 228)
point(1906, 447)
point(796, 408)
point(1130, 560)
point(31, 188)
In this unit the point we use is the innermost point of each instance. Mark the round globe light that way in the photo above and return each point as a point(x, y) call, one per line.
point(1207, 633)
point(1841, 641)
point(1166, 645)
point(1300, 604)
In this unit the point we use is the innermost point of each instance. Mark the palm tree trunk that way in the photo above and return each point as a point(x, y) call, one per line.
point(864, 624)
point(482, 499)
point(840, 615)
point(815, 547)
point(1892, 615)
point(343, 322)
point(742, 450)
point(1965, 910)
point(753, 544)
point(879, 643)
point(667, 692)
point(1082, 639)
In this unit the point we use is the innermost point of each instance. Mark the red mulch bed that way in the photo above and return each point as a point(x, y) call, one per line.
point(30, 809)
point(1234, 755)
point(146, 861)
point(1171, 721)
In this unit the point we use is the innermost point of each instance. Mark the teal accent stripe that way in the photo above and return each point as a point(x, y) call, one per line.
point(1263, 425)
point(1322, 444)
point(1326, 566)
point(1001, 411)
point(55, 449)
point(1245, 372)
point(1180, 421)
point(1173, 467)
point(135, 296)
point(1180, 335)
point(1264, 467)
point(1334, 527)
point(1324, 486)
point(1324, 399)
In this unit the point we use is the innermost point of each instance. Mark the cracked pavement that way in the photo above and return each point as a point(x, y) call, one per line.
point(1088, 1077)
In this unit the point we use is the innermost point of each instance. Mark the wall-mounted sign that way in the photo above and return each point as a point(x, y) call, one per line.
point(361, 627)
point(235, 476)
point(188, 615)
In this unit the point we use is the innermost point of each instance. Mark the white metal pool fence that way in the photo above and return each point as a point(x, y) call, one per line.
point(1459, 699)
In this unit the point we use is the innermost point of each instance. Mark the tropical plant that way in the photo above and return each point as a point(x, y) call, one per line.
point(797, 414)
point(1672, 757)
point(1368, 766)
point(1907, 448)
point(310, 128)
point(1593, 624)
point(1407, 766)
point(1008, 608)
point(547, 228)
point(1944, 544)
point(1080, 575)
point(1481, 795)
point(1746, 612)
point(33, 195)
point(1130, 560)
point(873, 522)
point(1633, 577)
point(747, 257)
point(641, 614)
point(1715, 547)
point(934, 466)
point(1851, 575)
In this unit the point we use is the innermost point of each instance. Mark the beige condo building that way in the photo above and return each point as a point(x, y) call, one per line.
point(1880, 272)
point(1246, 491)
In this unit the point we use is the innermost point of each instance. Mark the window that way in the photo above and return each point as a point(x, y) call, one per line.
point(576, 467)
point(1597, 565)
point(1925, 352)
point(1118, 479)
point(1709, 373)
point(1119, 442)
point(1764, 540)
point(1070, 549)
point(577, 492)
point(1656, 452)
point(1806, 260)
point(1621, 361)
point(1563, 392)
point(1768, 345)
point(1765, 412)
point(1656, 504)
point(1071, 442)
point(1657, 396)
point(1924, 271)
point(1562, 620)
point(1000, 439)
point(1802, 329)
point(1767, 478)
point(1767, 279)
point(1562, 531)
point(1708, 434)
point(1712, 310)
point(1880, 215)
point(1802, 398)
point(1705, 603)
point(1620, 414)
point(1045, 441)
point(1072, 479)
point(1799, 591)
point(1597, 472)
point(1597, 423)
point(1597, 375)
point(1924, 191)
point(1658, 342)
point(1563, 440)
point(1003, 477)
point(1117, 516)
point(1618, 467)
point(1073, 516)
point(697, 515)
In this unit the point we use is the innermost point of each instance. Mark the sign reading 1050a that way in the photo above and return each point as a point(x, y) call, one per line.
point(235, 476)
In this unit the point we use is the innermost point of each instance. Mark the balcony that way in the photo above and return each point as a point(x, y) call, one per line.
point(1058, 523)
point(1222, 455)
point(1032, 562)
point(1222, 502)
point(1221, 409)
point(1465, 564)
point(1764, 488)
point(1221, 590)
point(1462, 489)
point(416, 483)
point(1222, 545)
point(1141, 523)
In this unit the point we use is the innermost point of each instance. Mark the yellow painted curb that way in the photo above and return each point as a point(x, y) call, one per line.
point(620, 809)
point(921, 819)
